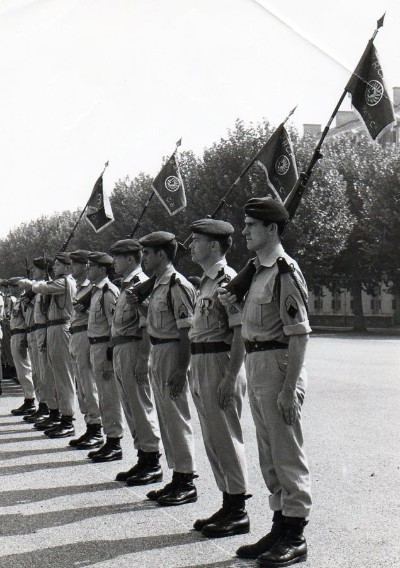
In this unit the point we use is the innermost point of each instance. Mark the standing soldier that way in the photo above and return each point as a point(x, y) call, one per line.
point(275, 329)
point(217, 378)
point(131, 359)
point(79, 348)
point(169, 317)
point(62, 292)
point(102, 306)
point(20, 354)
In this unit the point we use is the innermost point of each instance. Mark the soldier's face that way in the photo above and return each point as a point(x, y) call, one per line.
point(121, 264)
point(151, 259)
point(256, 234)
point(78, 269)
point(37, 273)
point(200, 247)
point(59, 268)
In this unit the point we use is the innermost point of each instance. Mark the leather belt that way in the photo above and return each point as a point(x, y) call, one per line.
point(100, 339)
point(121, 339)
point(61, 321)
point(212, 347)
point(159, 340)
point(252, 346)
point(30, 329)
point(77, 329)
point(17, 331)
point(40, 325)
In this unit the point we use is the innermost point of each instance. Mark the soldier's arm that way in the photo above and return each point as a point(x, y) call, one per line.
point(53, 288)
point(226, 388)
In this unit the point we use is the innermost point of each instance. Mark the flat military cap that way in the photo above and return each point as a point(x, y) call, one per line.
point(157, 239)
point(266, 209)
point(212, 227)
point(101, 258)
point(63, 257)
point(42, 262)
point(80, 256)
point(125, 246)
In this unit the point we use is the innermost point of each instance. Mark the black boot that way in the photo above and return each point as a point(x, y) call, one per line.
point(28, 407)
point(201, 523)
point(234, 521)
point(182, 491)
point(62, 430)
point(138, 466)
point(290, 548)
point(93, 438)
point(155, 494)
point(150, 473)
point(266, 542)
point(111, 451)
point(43, 410)
point(52, 420)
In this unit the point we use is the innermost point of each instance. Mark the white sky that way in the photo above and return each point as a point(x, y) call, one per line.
point(86, 81)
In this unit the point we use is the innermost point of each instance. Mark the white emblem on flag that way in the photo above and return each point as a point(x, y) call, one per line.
point(374, 93)
point(282, 165)
point(172, 183)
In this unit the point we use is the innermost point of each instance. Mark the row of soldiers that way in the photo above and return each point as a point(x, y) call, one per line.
point(79, 332)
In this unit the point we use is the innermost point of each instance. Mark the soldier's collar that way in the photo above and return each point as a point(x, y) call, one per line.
point(213, 271)
point(85, 283)
point(102, 283)
point(132, 274)
point(267, 258)
point(164, 278)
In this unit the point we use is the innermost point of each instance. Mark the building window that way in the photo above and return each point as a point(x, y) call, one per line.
point(336, 303)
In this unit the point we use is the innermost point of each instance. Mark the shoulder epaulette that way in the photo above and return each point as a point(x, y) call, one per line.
point(283, 265)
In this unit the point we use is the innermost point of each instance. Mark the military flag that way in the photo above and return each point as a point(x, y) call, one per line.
point(98, 209)
point(278, 161)
point(168, 186)
point(369, 95)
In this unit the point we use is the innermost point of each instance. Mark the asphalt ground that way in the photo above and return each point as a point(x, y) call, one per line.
point(59, 510)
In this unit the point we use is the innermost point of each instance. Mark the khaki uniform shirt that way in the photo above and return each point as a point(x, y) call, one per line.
point(39, 313)
point(212, 321)
point(17, 320)
point(266, 317)
point(62, 291)
point(127, 320)
point(27, 310)
point(164, 318)
point(102, 307)
point(81, 318)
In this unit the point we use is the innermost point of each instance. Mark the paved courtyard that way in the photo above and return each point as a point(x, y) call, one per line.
point(59, 510)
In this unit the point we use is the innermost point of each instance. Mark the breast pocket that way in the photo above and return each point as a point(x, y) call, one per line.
point(98, 313)
point(263, 303)
point(161, 312)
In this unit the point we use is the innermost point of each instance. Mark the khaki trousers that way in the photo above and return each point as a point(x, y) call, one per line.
point(282, 458)
point(34, 356)
point(88, 398)
point(47, 384)
point(221, 429)
point(22, 365)
point(60, 361)
point(136, 399)
point(109, 402)
point(173, 415)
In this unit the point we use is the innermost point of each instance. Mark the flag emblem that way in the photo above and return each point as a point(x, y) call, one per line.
point(374, 93)
point(282, 165)
point(172, 183)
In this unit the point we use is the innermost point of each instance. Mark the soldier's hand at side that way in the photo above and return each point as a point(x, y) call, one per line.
point(226, 298)
point(141, 371)
point(23, 351)
point(225, 391)
point(288, 406)
point(177, 383)
point(108, 371)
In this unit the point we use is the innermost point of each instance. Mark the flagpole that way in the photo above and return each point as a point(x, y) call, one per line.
point(293, 199)
point(65, 245)
point(152, 194)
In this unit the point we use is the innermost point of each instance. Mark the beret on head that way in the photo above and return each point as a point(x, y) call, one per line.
point(266, 209)
point(80, 256)
point(43, 262)
point(157, 239)
point(125, 246)
point(63, 257)
point(212, 227)
point(101, 258)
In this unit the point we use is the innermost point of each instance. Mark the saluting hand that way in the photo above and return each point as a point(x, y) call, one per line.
point(288, 406)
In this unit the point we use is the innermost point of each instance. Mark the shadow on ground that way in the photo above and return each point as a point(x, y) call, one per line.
point(24, 453)
point(17, 469)
point(16, 497)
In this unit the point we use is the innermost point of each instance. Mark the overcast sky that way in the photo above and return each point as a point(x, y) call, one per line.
point(86, 81)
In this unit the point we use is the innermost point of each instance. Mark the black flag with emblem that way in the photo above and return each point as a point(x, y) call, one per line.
point(169, 188)
point(99, 213)
point(369, 96)
point(277, 160)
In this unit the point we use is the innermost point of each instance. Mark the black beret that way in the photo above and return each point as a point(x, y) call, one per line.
point(63, 257)
point(125, 246)
point(42, 262)
point(266, 209)
point(212, 227)
point(80, 256)
point(101, 258)
point(157, 239)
